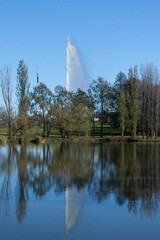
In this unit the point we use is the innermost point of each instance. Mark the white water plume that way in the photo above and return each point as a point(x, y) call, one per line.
point(75, 77)
point(74, 202)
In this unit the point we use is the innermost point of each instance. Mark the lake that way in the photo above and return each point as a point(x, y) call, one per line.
point(80, 191)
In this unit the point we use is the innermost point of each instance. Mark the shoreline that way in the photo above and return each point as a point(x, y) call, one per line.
point(52, 139)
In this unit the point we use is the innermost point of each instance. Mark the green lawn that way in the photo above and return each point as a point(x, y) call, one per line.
point(3, 131)
point(106, 131)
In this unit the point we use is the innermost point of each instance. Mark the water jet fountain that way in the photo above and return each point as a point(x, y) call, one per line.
point(75, 76)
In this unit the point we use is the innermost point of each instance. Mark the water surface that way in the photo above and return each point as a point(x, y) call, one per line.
point(80, 191)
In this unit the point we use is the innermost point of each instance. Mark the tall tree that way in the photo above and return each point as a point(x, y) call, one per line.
point(22, 96)
point(133, 101)
point(92, 107)
point(101, 93)
point(119, 100)
point(156, 103)
point(150, 97)
point(122, 111)
point(8, 114)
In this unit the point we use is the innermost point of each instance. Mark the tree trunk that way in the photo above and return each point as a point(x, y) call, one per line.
point(93, 127)
point(102, 121)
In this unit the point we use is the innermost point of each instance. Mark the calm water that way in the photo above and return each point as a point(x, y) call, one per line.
point(80, 191)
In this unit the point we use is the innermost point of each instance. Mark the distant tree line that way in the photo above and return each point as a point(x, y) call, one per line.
point(131, 103)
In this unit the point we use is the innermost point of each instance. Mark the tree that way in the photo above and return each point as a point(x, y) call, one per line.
point(82, 111)
point(156, 103)
point(62, 96)
point(64, 119)
point(122, 111)
point(63, 114)
point(81, 98)
point(149, 98)
point(82, 116)
point(70, 111)
point(41, 101)
point(133, 104)
point(101, 93)
point(92, 107)
point(119, 84)
point(62, 111)
point(71, 118)
point(22, 96)
point(119, 97)
point(7, 114)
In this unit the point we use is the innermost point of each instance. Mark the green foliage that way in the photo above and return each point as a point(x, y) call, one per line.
point(133, 101)
point(40, 107)
point(69, 112)
point(119, 98)
point(22, 91)
point(64, 120)
point(122, 111)
point(101, 92)
point(119, 85)
point(2, 140)
point(82, 116)
point(81, 98)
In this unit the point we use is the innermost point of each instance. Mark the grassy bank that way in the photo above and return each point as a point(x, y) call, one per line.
point(33, 137)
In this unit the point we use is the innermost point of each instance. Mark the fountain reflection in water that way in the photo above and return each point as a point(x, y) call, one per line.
point(74, 202)
point(75, 74)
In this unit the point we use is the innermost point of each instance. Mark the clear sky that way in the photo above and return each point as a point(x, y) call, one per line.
point(111, 36)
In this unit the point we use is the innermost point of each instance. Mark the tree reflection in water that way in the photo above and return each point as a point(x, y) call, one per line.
point(7, 166)
point(130, 171)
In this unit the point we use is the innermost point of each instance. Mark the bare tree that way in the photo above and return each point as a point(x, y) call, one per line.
point(156, 99)
point(150, 97)
point(7, 115)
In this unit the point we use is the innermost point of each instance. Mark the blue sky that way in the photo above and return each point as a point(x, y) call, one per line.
point(111, 36)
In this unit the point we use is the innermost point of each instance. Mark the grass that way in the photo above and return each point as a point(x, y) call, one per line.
point(3, 132)
point(83, 139)
point(108, 134)
point(56, 134)
point(107, 131)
